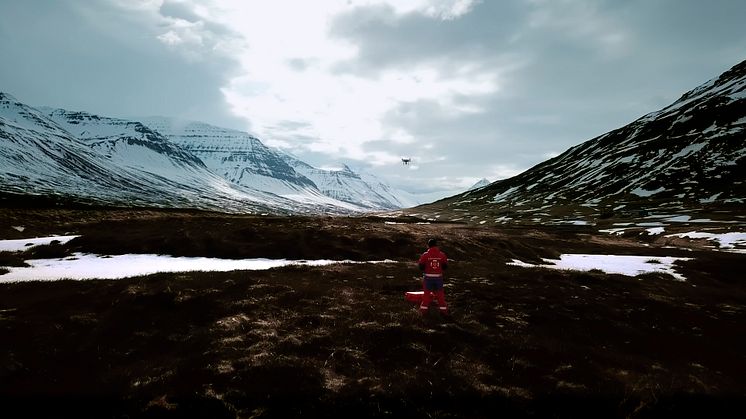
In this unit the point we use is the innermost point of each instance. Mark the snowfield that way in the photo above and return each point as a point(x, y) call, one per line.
point(726, 241)
point(733, 241)
point(18, 245)
point(87, 266)
point(610, 264)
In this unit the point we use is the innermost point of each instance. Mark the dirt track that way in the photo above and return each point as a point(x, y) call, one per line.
point(341, 340)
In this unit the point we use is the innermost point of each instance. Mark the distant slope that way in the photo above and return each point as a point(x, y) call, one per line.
point(689, 157)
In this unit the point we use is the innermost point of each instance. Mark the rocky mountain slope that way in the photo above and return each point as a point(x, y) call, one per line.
point(688, 158)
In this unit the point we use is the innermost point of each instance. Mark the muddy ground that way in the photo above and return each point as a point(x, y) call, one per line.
point(341, 340)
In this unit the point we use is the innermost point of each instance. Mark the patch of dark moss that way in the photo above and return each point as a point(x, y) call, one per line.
point(14, 259)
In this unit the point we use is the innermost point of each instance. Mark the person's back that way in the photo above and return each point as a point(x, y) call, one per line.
point(433, 262)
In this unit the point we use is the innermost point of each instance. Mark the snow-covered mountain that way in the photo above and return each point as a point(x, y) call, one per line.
point(39, 157)
point(244, 159)
point(398, 197)
point(689, 158)
point(163, 162)
point(126, 143)
point(108, 161)
point(346, 185)
point(235, 155)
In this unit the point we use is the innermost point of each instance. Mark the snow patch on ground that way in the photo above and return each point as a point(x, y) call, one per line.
point(611, 264)
point(616, 231)
point(656, 230)
point(19, 245)
point(673, 218)
point(727, 241)
point(397, 223)
point(86, 266)
point(619, 231)
point(571, 222)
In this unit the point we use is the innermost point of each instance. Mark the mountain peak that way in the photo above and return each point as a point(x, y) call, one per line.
point(480, 184)
point(346, 168)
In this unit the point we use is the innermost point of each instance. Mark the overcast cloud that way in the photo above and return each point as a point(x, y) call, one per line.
point(467, 89)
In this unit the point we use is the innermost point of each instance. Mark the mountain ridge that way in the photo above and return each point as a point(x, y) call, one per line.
point(198, 165)
point(688, 157)
point(117, 162)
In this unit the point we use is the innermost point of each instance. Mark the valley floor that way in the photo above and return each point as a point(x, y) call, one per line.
point(341, 340)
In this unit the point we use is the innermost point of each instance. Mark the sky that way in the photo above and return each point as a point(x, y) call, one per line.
point(467, 89)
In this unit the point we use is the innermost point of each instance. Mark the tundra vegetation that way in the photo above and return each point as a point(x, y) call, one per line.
point(341, 340)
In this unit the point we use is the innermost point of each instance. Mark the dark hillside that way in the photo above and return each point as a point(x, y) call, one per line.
point(688, 158)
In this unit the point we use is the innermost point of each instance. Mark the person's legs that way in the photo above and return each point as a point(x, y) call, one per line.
point(427, 298)
point(432, 287)
point(440, 297)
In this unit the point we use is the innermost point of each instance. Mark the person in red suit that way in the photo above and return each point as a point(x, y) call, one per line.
point(433, 262)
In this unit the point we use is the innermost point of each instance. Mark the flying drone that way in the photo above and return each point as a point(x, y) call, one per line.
point(406, 160)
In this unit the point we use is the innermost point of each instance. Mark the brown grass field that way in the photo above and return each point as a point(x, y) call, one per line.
point(341, 341)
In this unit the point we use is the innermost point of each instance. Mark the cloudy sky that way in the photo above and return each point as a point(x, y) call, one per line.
point(466, 88)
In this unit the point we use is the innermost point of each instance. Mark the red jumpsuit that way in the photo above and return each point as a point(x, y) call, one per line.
point(433, 262)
